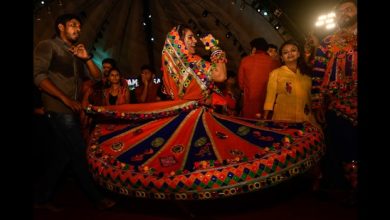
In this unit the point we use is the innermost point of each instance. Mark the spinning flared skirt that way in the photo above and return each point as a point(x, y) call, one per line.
point(198, 154)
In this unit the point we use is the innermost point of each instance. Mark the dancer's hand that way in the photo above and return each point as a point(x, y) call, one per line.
point(209, 41)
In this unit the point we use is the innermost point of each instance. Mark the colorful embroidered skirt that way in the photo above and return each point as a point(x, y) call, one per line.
point(193, 153)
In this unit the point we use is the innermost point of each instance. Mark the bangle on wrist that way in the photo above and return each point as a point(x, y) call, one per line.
point(88, 58)
point(214, 48)
point(218, 56)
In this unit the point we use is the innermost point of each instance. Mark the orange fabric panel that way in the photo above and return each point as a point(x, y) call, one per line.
point(253, 76)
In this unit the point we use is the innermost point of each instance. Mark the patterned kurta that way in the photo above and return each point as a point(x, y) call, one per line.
point(335, 76)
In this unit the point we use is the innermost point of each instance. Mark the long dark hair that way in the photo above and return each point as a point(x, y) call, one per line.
point(303, 67)
point(181, 29)
point(108, 83)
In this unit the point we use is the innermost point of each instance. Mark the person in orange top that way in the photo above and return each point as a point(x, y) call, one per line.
point(147, 91)
point(253, 77)
point(117, 93)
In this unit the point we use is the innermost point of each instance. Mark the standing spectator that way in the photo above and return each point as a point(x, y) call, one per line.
point(273, 52)
point(58, 70)
point(335, 84)
point(253, 77)
point(289, 86)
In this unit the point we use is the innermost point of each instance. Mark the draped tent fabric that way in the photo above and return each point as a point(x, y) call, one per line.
point(114, 28)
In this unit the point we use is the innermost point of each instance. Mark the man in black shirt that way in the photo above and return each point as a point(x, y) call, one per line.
point(58, 69)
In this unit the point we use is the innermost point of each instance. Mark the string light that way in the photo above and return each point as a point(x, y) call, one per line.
point(38, 18)
point(228, 34)
point(272, 13)
point(278, 12)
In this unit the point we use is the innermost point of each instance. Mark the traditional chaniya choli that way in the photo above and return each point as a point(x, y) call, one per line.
point(183, 150)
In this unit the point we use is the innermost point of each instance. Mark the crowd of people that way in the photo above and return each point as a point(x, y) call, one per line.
point(314, 82)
